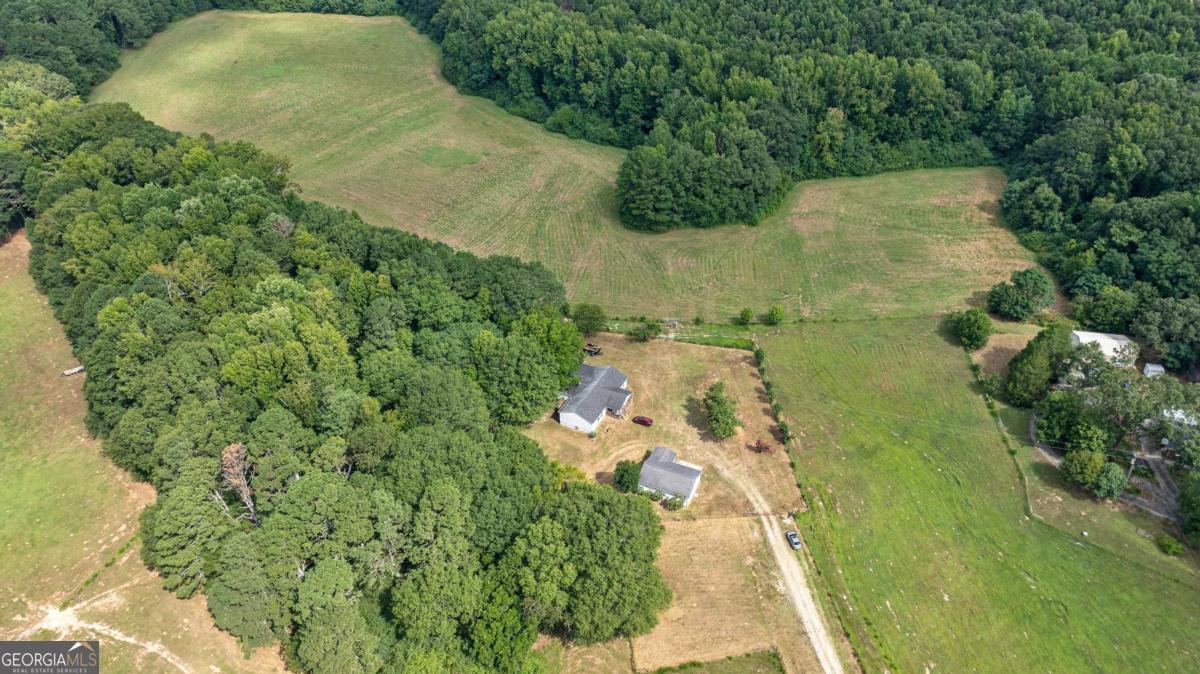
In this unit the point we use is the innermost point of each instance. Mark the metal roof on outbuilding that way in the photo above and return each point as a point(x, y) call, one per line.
point(664, 473)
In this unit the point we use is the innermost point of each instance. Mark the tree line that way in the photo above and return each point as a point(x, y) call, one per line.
point(1089, 105)
point(327, 410)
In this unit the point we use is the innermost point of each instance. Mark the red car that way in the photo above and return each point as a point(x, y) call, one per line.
point(643, 421)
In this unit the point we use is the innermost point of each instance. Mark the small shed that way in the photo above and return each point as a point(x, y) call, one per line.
point(1183, 423)
point(664, 474)
point(602, 389)
point(1118, 349)
point(1154, 370)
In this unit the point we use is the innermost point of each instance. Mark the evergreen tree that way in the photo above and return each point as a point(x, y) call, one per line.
point(241, 598)
point(720, 411)
point(190, 525)
point(1110, 482)
point(626, 476)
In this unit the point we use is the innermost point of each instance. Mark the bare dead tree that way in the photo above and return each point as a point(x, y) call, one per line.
point(219, 500)
point(283, 225)
point(235, 472)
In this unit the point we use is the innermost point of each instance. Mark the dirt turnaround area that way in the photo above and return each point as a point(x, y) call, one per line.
point(737, 587)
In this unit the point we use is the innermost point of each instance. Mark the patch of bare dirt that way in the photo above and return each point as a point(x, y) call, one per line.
point(1000, 349)
point(722, 584)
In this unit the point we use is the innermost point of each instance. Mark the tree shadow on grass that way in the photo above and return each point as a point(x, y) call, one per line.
point(697, 420)
point(978, 299)
point(945, 330)
point(1053, 477)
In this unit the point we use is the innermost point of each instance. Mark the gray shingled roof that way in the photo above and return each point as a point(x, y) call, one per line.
point(661, 473)
point(599, 389)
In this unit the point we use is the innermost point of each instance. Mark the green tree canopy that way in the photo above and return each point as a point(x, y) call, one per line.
point(720, 411)
point(973, 327)
point(589, 318)
point(1028, 292)
point(626, 476)
point(612, 542)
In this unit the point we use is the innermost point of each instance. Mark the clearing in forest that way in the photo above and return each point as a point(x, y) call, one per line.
point(69, 517)
point(917, 520)
point(714, 556)
point(359, 107)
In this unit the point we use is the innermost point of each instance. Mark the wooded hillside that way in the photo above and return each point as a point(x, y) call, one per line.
point(326, 409)
point(1087, 103)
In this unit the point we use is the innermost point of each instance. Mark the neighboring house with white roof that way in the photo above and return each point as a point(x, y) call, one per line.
point(1154, 370)
point(664, 474)
point(601, 390)
point(1118, 349)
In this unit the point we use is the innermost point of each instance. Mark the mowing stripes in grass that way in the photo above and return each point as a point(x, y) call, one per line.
point(358, 106)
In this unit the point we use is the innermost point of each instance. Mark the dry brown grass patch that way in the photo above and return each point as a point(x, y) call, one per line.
point(1000, 349)
point(720, 575)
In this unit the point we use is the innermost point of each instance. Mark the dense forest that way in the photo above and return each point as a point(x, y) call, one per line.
point(1090, 105)
point(327, 410)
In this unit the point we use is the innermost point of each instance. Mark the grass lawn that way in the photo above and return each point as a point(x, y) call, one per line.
point(918, 525)
point(64, 508)
point(69, 564)
point(358, 106)
point(613, 658)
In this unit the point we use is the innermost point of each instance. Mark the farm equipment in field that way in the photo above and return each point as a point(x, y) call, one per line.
point(592, 350)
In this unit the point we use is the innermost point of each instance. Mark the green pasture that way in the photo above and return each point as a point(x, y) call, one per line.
point(920, 529)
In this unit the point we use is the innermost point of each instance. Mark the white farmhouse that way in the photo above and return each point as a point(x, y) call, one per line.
point(601, 390)
point(1118, 349)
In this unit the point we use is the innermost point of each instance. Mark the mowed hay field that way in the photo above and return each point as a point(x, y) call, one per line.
point(69, 563)
point(918, 523)
point(359, 107)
